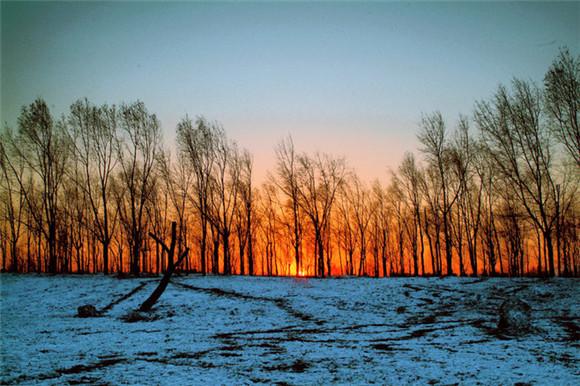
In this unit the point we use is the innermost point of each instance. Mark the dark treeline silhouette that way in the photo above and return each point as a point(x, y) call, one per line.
point(495, 196)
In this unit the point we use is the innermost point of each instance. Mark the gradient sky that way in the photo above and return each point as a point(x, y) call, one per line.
point(351, 79)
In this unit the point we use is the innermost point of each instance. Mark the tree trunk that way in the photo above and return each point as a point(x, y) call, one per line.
point(320, 251)
point(250, 256)
point(152, 299)
point(550, 248)
point(52, 248)
point(242, 264)
point(203, 247)
point(448, 256)
point(14, 256)
point(226, 246)
point(106, 256)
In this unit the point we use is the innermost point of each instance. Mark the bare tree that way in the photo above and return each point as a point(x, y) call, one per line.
point(245, 213)
point(226, 181)
point(287, 171)
point(199, 144)
point(509, 198)
point(433, 137)
point(157, 211)
point(381, 217)
point(562, 95)
point(77, 220)
point(171, 266)
point(411, 180)
point(12, 199)
point(270, 228)
point(178, 178)
point(360, 204)
point(137, 155)
point(319, 178)
point(568, 215)
point(471, 171)
point(43, 145)
point(346, 232)
point(518, 141)
point(96, 148)
point(511, 223)
point(401, 218)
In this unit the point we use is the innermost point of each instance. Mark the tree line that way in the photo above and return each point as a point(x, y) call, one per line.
point(95, 191)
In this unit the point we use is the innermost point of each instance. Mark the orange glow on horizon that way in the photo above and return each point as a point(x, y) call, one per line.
point(302, 272)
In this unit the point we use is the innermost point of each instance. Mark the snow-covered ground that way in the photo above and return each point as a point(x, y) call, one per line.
point(240, 330)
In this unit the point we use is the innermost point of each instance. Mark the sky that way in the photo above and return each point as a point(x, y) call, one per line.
point(350, 79)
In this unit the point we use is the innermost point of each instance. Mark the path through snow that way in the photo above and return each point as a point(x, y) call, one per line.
point(215, 330)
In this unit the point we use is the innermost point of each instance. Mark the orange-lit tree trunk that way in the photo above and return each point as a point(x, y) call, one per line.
point(287, 182)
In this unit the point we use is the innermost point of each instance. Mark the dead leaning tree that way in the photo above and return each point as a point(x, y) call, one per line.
point(152, 299)
point(90, 311)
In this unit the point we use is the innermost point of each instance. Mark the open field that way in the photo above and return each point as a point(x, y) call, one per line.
point(216, 330)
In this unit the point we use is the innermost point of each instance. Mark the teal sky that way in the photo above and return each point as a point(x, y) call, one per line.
point(347, 78)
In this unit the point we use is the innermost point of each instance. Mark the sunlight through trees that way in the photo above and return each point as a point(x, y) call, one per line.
point(494, 193)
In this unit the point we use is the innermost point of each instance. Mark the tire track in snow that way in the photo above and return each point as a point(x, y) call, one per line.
point(282, 304)
point(109, 306)
point(73, 370)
